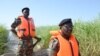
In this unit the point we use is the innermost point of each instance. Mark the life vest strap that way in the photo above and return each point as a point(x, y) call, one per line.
point(21, 29)
point(33, 29)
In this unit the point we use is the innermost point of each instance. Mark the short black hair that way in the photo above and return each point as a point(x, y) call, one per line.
point(65, 21)
point(26, 8)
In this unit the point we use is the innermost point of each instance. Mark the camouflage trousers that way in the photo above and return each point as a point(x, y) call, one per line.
point(25, 47)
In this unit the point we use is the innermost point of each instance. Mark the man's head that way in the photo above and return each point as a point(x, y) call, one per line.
point(66, 27)
point(26, 12)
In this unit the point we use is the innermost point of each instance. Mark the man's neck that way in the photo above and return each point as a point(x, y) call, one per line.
point(66, 37)
point(26, 17)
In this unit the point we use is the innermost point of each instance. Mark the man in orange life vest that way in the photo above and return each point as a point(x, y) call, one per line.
point(25, 31)
point(63, 42)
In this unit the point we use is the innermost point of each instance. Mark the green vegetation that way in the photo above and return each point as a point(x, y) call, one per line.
point(3, 38)
point(87, 33)
point(43, 33)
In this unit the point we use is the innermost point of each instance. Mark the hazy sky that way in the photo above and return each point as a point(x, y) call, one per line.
point(49, 12)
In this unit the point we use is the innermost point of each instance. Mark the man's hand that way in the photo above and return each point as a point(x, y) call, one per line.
point(18, 21)
point(53, 44)
point(52, 47)
point(37, 38)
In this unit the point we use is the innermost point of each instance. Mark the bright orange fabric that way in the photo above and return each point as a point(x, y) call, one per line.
point(64, 45)
point(28, 25)
point(75, 46)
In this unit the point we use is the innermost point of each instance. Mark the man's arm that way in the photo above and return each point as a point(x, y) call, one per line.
point(15, 24)
point(53, 46)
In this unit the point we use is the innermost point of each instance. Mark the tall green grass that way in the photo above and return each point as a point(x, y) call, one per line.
point(3, 38)
point(87, 33)
point(43, 33)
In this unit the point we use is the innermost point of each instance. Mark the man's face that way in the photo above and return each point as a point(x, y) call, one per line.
point(26, 13)
point(66, 30)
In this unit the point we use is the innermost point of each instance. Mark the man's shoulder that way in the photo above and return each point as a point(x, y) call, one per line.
point(55, 32)
point(19, 16)
point(30, 17)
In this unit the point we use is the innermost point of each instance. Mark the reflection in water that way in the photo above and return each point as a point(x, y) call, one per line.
point(13, 47)
point(12, 42)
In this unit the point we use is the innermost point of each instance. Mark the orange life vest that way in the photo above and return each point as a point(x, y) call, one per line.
point(65, 46)
point(75, 46)
point(27, 26)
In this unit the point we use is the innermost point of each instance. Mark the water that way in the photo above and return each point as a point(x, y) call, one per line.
point(12, 42)
point(12, 46)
